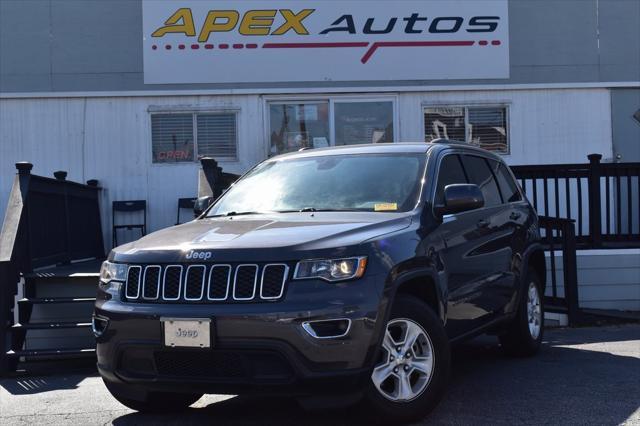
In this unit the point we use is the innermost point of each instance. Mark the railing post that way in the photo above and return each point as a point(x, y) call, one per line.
point(24, 168)
point(61, 176)
point(595, 204)
point(570, 270)
point(212, 184)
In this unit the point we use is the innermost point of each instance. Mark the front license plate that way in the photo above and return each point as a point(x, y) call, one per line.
point(187, 333)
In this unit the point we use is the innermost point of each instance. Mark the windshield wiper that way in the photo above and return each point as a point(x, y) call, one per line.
point(234, 214)
point(313, 209)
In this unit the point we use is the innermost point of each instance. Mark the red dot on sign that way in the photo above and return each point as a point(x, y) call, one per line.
point(208, 46)
point(195, 46)
point(496, 42)
point(483, 42)
point(238, 46)
point(252, 46)
point(168, 47)
point(154, 47)
point(181, 47)
point(223, 46)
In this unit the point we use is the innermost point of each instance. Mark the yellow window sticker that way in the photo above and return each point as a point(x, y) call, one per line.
point(385, 207)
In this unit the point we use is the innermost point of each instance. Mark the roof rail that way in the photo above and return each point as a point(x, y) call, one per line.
point(443, 140)
point(304, 148)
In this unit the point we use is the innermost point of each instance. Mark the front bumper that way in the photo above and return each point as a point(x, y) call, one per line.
point(257, 347)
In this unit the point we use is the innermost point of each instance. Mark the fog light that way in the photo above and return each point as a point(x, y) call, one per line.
point(327, 329)
point(99, 325)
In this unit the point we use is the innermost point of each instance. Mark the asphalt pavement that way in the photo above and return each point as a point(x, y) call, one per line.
point(582, 376)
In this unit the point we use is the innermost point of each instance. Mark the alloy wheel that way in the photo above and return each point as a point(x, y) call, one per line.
point(534, 311)
point(406, 363)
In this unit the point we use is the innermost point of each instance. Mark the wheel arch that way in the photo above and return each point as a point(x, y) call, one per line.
point(422, 285)
point(535, 260)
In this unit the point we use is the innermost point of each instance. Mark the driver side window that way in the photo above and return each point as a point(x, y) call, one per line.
point(450, 172)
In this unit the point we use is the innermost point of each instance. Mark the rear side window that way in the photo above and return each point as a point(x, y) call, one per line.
point(508, 187)
point(480, 174)
point(450, 172)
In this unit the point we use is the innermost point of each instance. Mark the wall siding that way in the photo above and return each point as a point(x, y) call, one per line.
point(109, 139)
point(607, 279)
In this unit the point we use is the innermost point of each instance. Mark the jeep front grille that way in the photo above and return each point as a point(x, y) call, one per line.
point(206, 283)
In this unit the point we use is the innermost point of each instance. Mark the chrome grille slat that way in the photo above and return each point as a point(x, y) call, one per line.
point(169, 285)
point(245, 276)
point(215, 275)
point(206, 283)
point(151, 282)
point(133, 282)
point(194, 280)
point(274, 276)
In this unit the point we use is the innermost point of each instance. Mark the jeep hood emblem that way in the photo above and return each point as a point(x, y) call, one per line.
point(199, 255)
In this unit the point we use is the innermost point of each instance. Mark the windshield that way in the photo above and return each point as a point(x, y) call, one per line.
point(370, 182)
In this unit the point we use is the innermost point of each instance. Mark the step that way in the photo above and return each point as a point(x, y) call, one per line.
point(34, 353)
point(51, 326)
point(55, 300)
point(89, 268)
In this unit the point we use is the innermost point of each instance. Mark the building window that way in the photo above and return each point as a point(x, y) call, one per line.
point(185, 137)
point(323, 123)
point(172, 138)
point(363, 122)
point(482, 126)
point(298, 125)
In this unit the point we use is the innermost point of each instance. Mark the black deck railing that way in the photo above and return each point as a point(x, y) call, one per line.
point(559, 237)
point(602, 198)
point(47, 222)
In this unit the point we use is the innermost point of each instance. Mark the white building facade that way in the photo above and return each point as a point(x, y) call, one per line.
point(132, 92)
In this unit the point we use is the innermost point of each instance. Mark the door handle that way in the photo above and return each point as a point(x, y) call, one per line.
point(483, 224)
point(515, 215)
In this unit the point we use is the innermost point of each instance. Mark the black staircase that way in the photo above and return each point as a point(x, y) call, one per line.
point(50, 252)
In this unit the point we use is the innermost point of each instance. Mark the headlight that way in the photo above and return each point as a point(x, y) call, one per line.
point(331, 269)
point(112, 272)
point(112, 275)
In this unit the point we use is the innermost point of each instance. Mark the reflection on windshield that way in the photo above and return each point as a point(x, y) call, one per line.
point(372, 182)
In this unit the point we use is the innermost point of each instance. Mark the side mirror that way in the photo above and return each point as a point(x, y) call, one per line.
point(201, 205)
point(461, 198)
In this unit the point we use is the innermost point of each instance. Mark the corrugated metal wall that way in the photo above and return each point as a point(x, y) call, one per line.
point(109, 139)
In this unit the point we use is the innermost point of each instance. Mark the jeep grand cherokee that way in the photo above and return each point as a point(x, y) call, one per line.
point(341, 272)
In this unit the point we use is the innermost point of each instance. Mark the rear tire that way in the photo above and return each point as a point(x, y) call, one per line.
point(523, 336)
point(407, 385)
point(151, 402)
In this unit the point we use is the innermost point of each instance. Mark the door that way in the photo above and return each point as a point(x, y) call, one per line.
point(476, 254)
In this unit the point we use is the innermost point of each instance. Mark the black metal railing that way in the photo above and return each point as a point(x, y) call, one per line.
point(602, 198)
point(559, 237)
point(47, 222)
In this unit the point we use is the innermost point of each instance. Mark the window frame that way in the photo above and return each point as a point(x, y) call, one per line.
point(466, 105)
point(461, 152)
point(332, 100)
point(523, 198)
point(194, 111)
point(485, 160)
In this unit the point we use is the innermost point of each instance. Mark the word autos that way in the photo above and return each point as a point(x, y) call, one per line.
point(261, 23)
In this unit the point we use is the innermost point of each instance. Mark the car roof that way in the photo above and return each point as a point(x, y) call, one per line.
point(382, 148)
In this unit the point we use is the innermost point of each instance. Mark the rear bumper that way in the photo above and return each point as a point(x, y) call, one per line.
point(260, 347)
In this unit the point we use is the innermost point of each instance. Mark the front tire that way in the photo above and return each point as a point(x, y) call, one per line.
point(412, 372)
point(523, 336)
point(151, 402)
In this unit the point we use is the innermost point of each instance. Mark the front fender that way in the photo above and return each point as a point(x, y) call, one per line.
point(399, 276)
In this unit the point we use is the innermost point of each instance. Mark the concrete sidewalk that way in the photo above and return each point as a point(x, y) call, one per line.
point(585, 376)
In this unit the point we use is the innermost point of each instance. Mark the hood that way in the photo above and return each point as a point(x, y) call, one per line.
point(286, 232)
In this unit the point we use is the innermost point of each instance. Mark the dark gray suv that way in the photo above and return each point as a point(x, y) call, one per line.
point(339, 274)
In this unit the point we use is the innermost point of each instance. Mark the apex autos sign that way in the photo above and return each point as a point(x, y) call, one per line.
point(202, 41)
